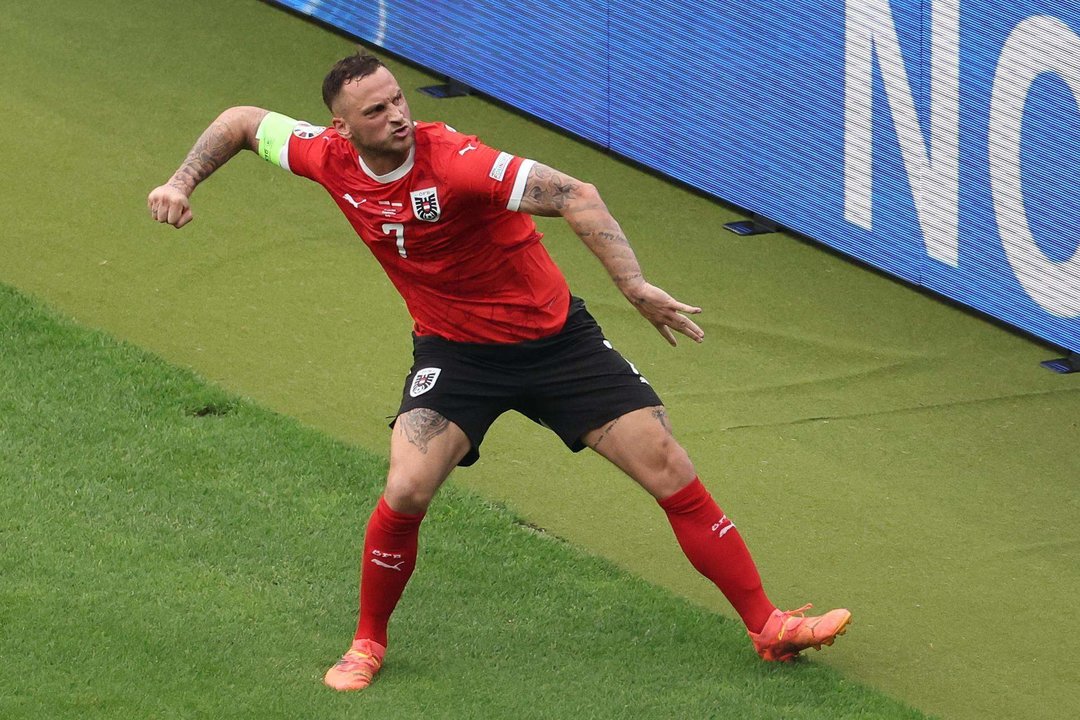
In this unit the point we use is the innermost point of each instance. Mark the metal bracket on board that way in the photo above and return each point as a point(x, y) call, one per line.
point(757, 225)
point(452, 88)
point(1064, 365)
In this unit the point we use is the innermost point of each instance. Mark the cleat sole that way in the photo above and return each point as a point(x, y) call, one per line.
point(840, 630)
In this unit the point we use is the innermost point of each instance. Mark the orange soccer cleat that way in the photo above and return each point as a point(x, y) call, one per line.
point(357, 667)
point(786, 634)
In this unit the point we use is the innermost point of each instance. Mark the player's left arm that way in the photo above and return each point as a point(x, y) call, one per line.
point(551, 193)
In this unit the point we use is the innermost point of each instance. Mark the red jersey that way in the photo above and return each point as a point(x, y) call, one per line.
point(445, 229)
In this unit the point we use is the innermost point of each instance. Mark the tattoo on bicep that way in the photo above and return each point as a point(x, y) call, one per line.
point(662, 417)
point(549, 190)
point(421, 426)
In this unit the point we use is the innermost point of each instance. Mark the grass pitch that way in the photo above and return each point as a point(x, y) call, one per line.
point(171, 551)
point(917, 455)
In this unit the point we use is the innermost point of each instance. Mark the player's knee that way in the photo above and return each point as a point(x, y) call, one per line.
point(669, 468)
point(408, 495)
point(678, 469)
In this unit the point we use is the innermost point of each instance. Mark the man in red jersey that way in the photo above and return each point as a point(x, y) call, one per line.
point(495, 328)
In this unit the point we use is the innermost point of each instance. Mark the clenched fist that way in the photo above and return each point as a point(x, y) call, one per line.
point(170, 205)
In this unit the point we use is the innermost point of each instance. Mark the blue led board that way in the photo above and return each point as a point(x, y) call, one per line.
point(938, 140)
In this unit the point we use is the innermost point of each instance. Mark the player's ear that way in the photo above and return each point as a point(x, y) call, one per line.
point(341, 127)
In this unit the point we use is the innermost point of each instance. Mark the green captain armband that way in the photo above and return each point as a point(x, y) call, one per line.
point(273, 136)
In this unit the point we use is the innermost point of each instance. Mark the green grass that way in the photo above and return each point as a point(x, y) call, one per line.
point(174, 552)
point(917, 455)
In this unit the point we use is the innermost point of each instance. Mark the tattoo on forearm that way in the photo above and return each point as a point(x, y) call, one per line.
point(213, 148)
point(611, 247)
point(421, 426)
point(549, 192)
point(605, 238)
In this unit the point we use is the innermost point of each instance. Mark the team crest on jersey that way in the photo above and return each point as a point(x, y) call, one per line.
point(423, 381)
point(425, 204)
point(305, 131)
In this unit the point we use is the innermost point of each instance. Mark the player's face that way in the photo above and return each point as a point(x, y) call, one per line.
point(372, 114)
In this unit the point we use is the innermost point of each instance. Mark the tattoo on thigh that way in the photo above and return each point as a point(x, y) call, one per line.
point(604, 432)
point(422, 425)
point(661, 415)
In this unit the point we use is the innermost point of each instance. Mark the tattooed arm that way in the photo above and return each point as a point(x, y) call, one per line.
point(550, 193)
point(233, 131)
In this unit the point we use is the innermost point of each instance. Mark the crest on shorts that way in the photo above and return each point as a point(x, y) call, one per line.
point(423, 381)
point(425, 204)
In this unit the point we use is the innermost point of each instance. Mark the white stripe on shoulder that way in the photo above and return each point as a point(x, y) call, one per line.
point(283, 157)
point(519, 185)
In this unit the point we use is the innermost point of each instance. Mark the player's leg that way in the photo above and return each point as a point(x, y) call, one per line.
point(591, 396)
point(424, 448)
point(642, 445)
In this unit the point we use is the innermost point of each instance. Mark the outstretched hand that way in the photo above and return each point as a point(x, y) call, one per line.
point(667, 314)
point(170, 205)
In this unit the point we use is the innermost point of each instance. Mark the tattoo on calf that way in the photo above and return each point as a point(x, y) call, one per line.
point(422, 425)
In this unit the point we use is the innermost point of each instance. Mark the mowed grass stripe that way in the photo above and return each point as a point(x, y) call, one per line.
point(170, 551)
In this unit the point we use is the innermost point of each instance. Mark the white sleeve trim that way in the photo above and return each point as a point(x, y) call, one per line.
point(283, 157)
point(519, 184)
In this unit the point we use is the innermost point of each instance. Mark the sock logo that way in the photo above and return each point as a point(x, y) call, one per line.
point(389, 556)
point(722, 526)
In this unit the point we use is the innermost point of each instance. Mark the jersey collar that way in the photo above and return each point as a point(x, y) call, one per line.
point(396, 174)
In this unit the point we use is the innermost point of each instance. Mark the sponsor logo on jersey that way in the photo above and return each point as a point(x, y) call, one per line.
point(423, 381)
point(466, 149)
point(498, 170)
point(304, 131)
point(426, 204)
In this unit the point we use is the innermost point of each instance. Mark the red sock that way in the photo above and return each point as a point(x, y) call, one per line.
point(715, 548)
point(389, 558)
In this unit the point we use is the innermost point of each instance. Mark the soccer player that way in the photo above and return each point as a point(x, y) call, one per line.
point(495, 328)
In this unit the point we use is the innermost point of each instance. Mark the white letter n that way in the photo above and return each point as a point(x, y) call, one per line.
point(934, 176)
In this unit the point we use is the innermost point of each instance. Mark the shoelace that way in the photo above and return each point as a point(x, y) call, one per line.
point(791, 614)
point(357, 657)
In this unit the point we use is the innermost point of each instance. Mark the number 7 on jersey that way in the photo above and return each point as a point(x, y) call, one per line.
point(399, 230)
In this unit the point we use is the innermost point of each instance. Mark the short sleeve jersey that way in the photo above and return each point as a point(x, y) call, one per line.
point(444, 226)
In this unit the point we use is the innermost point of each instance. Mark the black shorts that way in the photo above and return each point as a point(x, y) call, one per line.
point(571, 382)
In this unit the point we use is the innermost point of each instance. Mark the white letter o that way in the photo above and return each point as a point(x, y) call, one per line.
point(1038, 44)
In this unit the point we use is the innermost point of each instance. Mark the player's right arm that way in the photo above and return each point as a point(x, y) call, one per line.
point(548, 192)
point(234, 130)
